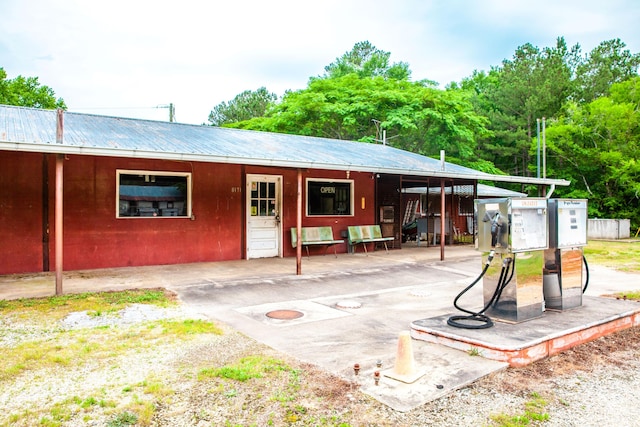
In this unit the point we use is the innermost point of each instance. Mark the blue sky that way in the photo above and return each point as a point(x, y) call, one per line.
point(127, 57)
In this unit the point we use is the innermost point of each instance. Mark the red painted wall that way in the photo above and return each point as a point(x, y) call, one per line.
point(364, 187)
point(21, 212)
point(95, 238)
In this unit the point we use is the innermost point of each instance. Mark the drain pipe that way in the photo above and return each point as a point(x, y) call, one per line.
point(553, 188)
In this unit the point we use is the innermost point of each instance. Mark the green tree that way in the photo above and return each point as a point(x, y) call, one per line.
point(416, 116)
point(605, 65)
point(534, 83)
point(245, 106)
point(366, 60)
point(27, 92)
point(363, 97)
point(597, 147)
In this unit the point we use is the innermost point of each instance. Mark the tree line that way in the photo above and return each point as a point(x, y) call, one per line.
point(489, 121)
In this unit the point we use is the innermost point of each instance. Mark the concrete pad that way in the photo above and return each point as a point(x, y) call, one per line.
point(311, 312)
point(522, 343)
point(335, 336)
point(445, 370)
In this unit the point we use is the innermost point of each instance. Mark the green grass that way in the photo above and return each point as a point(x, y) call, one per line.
point(474, 351)
point(123, 419)
point(285, 381)
point(622, 256)
point(632, 295)
point(76, 347)
point(96, 303)
point(101, 345)
point(188, 327)
point(245, 369)
point(533, 412)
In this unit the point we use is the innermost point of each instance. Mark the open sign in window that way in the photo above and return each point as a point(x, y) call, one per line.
point(329, 197)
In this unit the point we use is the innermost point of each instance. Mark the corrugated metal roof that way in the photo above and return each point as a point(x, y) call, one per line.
point(29, 129)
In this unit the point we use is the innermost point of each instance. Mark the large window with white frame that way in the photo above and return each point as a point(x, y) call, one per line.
point(146, 193)
point(329, 197)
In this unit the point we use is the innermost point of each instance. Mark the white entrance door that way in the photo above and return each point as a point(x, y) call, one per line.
point(263, 216)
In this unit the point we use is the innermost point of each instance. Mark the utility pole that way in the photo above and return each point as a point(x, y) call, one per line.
point(172, 111)
point(544, 147)
point(538, 147)
point(384, 133)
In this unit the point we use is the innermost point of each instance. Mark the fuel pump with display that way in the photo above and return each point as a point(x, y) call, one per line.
point(513, 231)
point(563, 260)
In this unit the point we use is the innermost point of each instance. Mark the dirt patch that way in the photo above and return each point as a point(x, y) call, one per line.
point(613, 350)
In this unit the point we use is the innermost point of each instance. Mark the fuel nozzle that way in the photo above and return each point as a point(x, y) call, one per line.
point(498, 226)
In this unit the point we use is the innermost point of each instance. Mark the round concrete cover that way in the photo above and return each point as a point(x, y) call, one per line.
point(348, 304)
point(420, 293)
point(285, 314)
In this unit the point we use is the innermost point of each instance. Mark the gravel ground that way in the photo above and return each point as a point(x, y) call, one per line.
point(579, 388)
point(596, 384)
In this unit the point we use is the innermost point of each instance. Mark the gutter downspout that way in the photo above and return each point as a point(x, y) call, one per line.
point(551, 190)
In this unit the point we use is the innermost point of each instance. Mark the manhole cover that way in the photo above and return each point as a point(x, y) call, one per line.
point(420, 293)
point(348, 304)
point(284, 314)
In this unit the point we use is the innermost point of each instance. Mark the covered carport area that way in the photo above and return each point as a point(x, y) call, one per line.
point(450, 191)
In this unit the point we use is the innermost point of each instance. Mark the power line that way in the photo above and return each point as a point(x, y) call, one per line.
point(171, 107)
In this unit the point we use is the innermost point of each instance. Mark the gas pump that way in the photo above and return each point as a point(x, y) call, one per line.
point(563, 260)
point(514, 231)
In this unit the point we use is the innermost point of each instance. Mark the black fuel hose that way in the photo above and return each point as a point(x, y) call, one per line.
point(586, 266)
point(478, 319)
point(495, 303)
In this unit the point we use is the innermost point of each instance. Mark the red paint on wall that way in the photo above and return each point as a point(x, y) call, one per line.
point(21, 212)
point(95, 238)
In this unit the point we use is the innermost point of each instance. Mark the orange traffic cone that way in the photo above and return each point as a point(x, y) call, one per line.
point(405, 366)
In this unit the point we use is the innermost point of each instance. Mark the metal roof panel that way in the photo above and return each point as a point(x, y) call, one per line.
point(35, 130)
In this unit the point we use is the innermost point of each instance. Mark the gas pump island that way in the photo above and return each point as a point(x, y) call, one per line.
point(532, 257)
point(532, 286)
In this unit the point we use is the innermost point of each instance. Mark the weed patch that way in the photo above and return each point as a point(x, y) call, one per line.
point(97, 303)
point(247, 368)
point(533, 411)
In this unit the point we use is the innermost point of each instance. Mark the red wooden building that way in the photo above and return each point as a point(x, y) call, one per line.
point(101, 192)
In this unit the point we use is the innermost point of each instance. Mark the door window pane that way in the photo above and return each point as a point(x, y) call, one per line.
point(263, 199)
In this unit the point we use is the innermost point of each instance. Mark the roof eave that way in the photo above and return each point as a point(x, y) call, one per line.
point(53, 148)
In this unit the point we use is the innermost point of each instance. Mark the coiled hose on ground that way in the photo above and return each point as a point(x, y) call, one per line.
point(478, 320)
